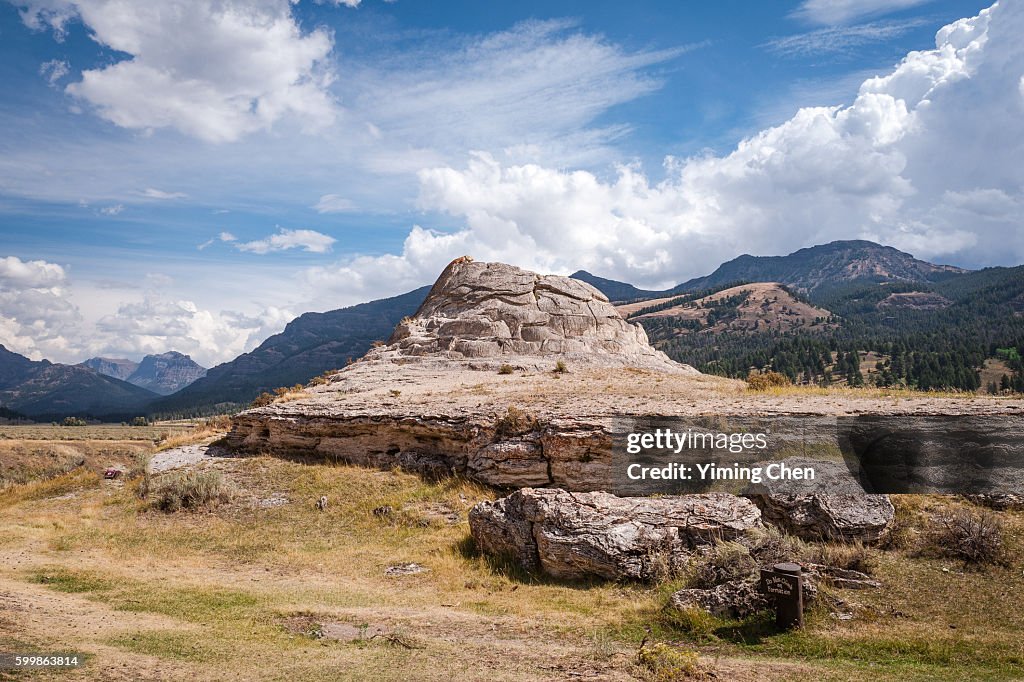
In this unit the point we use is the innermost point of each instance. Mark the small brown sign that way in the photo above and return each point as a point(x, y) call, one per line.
point(784, 584)
point(779, 584)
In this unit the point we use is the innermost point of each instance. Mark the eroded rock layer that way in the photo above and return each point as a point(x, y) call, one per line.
point(576, 535)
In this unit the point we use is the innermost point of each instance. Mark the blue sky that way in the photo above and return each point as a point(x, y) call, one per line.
point(191, 174)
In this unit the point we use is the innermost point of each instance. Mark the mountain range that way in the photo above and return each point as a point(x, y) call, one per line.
point(309, 345)
point(807, 270)
point(863, 294)
point(47, 391)
point(163, 374)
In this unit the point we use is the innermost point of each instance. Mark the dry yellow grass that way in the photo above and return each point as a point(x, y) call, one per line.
point(229, 593)
point(290, 396)
point(117, 432)
point(31, 460)
point(201, 432)
point(867, 392)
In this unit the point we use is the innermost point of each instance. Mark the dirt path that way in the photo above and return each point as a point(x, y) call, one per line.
point(66, 623)
point(184, 456)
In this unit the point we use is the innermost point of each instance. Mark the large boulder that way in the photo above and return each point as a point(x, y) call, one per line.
point(838, 517)
point(577, 535)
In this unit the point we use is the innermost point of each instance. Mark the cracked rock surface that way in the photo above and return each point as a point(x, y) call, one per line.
point(576, 535)
point(840, 517)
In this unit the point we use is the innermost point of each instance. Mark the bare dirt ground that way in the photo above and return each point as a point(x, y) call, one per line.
point(184, 456)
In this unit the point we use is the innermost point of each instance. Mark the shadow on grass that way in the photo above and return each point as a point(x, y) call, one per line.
point(750, 631)
point(435, 470)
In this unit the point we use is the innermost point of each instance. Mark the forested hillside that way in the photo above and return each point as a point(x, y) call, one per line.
point(937, 345)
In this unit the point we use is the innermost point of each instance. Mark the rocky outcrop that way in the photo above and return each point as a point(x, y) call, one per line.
point(735, 599)
point(842, 578)
point(166, 373)
point(841, 517)
point(571, 453)
point(481, 311)
point(1000, 501)
point(577, 535)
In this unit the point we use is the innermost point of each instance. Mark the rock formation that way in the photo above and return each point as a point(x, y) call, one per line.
point(577, 535)
point(466, 386)
point(841, 517)
point(478, 311)
point(734, 599)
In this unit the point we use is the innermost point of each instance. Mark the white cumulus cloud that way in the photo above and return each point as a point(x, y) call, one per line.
point(926, 158)
point(215, 70)
point(36, 317)
point(158, 323)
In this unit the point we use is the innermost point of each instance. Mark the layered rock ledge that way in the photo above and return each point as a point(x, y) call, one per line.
point(577, 535)
point(532, 427)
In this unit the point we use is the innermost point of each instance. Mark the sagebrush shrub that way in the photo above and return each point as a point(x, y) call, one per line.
point(190, 490)
point(767, 380)
point(975, 537)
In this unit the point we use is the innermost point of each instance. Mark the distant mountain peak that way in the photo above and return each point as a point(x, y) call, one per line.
point(167, 372)
point(119, 368)
point(831, 264)
point(615, 291)
point(162, 373)
point(42, 389)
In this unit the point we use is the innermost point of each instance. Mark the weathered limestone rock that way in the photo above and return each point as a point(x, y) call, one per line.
point(736, 599)
point(576, 535)
point(841, 517)
point(494, 311)
point(1000, 501)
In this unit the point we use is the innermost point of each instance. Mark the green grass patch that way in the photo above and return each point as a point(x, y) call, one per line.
point(170, 644)
point(897, 650)
point(207, 606)
point(65, 580)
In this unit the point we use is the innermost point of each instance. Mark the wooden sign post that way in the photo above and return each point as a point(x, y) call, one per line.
point(785, 584)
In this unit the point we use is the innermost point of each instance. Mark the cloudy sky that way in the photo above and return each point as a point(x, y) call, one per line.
point(192, 174)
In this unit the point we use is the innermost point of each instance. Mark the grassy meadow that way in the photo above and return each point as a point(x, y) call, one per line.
point(245, 590)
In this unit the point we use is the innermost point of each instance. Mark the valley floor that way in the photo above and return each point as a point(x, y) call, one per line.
point(242, 591)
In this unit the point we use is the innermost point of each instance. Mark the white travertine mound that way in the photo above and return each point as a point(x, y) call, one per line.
point(498, 312)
